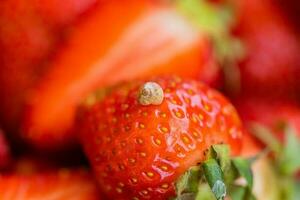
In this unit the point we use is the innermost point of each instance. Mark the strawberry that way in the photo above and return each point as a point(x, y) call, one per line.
point(4, 151)
point(140, 137)
point(56, 185)
point(273, 114)
point(143, 39)
point(24, 42)
point(29, 31)
point(60, 13)
point(272, 64)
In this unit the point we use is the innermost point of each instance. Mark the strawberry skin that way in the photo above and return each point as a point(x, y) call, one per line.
point(138, 43)
point(138, 151)
point(60, 13)
point(29, 32)
point(272, 64)
point(60, 184)
point(25, 41)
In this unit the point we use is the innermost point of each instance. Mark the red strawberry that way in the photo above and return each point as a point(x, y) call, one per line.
point(24, 41)
point(271, 114)
point(142, 136)
point(60, 13)
point(272, 64)
point(61, 184)
point(143, 39)
point(4, 151)
point(29, 30)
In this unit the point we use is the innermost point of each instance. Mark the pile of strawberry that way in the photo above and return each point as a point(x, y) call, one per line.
point(149, 99)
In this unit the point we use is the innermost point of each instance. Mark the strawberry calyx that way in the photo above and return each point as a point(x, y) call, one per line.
point(284, 159)
point(216, 178)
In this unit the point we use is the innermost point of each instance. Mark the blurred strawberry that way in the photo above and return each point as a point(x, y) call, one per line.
point(272, 64)
point(55, 184)
point(24, 41)
point(29, 30)
point(5, 156)
point(119, 40)
point(270, 113)
point(58, 13)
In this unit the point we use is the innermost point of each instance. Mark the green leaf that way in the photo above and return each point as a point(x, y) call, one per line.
point(244, 169)
point(214, 177)
point(290, 159)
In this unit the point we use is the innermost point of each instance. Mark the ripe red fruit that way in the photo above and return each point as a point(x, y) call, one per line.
point(58, 13)
point(29, 31)
point(24, 42)
point(272, 64)
point(270, 113)
point(142, 39)
point(56, 184)
point(139, 139)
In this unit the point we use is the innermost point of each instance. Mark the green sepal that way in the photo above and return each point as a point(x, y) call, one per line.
point(205, 193)
point(189, 181)
point(266, 136)
point(210, 179)
point(243, 167)
point(214, 176)
point(286, 161)
point(222, 154)
point(289, 158)
point(238, 192)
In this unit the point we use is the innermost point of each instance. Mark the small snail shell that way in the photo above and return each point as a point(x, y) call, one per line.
point(150, 93)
